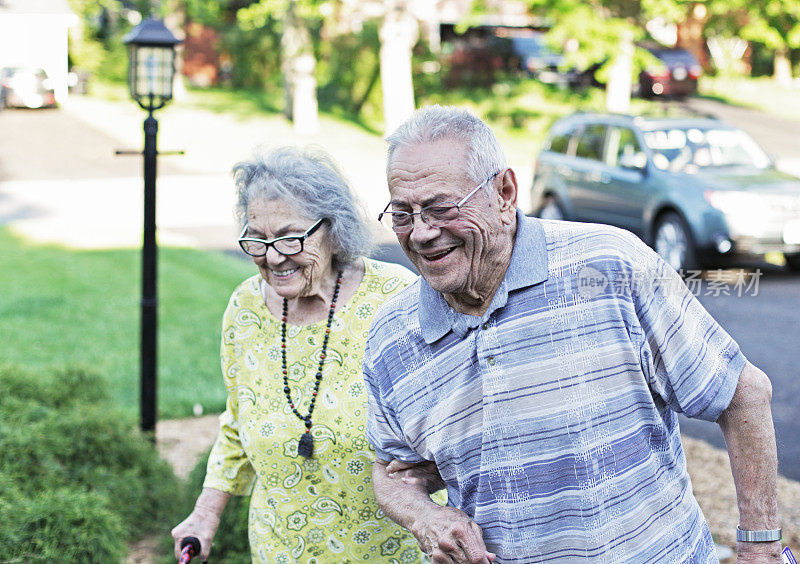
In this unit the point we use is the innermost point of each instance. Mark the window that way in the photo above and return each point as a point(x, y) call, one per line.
point(559, 143)
point(590, 143)
point(624, 150)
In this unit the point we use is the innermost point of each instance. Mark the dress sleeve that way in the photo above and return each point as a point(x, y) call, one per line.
point(383, 430)
point(229, 470)
point(687, 357)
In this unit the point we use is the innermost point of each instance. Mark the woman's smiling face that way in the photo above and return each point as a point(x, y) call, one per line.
point(296, 275)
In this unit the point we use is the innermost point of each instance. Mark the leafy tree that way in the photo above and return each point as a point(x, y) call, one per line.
point(96, 46)
point(601, 34)
point(773, 23)
point(295, 19)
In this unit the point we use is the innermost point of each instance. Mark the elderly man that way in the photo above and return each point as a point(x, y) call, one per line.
point(540, 365)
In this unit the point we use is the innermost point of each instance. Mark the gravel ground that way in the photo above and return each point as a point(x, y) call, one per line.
point(182, 441)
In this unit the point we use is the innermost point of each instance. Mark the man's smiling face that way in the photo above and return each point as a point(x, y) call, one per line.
point(452, 258)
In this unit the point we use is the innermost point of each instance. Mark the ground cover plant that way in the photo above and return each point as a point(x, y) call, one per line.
point(62, 307)
point(78, 481)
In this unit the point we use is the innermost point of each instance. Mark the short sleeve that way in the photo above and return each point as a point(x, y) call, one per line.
point(689, 360)
point(383, 430)
point(229, 470)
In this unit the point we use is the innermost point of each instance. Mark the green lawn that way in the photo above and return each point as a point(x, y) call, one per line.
point(758, 93)
point(61, 307)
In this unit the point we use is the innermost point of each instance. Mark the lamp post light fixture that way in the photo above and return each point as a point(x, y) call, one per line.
point(152, 68)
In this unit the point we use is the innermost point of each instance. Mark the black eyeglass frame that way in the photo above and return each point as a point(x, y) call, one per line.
point(267, 244)
point(421, 213)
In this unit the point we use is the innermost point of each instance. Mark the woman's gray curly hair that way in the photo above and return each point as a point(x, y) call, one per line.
point(310, 180)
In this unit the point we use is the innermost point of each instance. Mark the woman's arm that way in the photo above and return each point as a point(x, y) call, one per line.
point(446, 534)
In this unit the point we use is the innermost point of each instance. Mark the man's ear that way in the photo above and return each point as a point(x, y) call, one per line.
point(507, 195)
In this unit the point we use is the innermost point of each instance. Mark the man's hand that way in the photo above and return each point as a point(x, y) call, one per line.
point(424, 474)
point(448, 536)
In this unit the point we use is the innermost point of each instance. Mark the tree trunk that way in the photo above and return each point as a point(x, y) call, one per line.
point(297, 69)
point(782, 73)
point(175, 20)
point(398, 35)
point(618, 90)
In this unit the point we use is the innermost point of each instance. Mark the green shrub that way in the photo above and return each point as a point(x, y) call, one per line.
point(79, 481)
point(61, 525)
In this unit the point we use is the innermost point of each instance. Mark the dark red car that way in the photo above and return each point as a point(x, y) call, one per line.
point(676, 76)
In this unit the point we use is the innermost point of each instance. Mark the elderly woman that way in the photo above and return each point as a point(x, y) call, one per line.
point(292, 348)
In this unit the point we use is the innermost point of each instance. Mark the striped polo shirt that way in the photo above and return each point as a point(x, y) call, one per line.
point(552, 418)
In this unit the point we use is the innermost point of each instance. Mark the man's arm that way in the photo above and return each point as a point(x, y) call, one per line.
point(750, 437)
point(445, 533)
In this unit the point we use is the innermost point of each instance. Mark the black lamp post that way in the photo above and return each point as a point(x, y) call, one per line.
point(152, 67)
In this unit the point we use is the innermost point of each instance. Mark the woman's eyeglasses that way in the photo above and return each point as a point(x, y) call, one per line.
point(287, 246)
point(436, 215)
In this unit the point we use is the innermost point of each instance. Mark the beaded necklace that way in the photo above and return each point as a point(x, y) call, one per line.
point(306, 446)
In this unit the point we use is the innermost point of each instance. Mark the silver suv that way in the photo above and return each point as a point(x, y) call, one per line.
point(699, 191)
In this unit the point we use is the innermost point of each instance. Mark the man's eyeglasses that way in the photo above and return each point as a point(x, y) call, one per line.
point(287, 246)
point(436, 215)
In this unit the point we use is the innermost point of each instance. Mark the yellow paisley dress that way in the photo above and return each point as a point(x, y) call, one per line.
point(319, 510)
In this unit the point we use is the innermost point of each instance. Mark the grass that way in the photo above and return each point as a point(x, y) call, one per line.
point(762, 94)
point(62, 307)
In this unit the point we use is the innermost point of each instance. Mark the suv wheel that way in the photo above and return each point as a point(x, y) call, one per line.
point(793, 262)
point(550, 209)
point(673, 242)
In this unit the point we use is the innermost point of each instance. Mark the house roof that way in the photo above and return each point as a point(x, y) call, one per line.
point(49, 7)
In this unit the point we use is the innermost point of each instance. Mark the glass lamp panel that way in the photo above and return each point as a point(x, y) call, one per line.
point(154, 70)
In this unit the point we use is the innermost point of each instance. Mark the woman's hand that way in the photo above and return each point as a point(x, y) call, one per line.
point(424, 474)
point(446, 534)
point(202, 522)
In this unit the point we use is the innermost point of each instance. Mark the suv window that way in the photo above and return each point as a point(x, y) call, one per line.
point(590, 142)
point(624, 150)
point(560, 143)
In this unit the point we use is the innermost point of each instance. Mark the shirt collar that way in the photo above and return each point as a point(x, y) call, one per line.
point(528, 266)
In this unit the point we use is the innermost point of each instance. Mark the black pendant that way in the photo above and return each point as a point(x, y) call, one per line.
point(306, 446)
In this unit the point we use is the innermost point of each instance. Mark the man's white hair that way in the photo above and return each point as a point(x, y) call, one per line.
point(485, 155)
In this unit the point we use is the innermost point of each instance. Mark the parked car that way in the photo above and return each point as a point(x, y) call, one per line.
point(25, 88)
point(530, 54)
point(472, 60)
point(676, 75)
point(699, 191)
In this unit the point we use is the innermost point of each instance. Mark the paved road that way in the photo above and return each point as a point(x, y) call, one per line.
point(766, 326)
point(778, 136)
point(57, 171)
